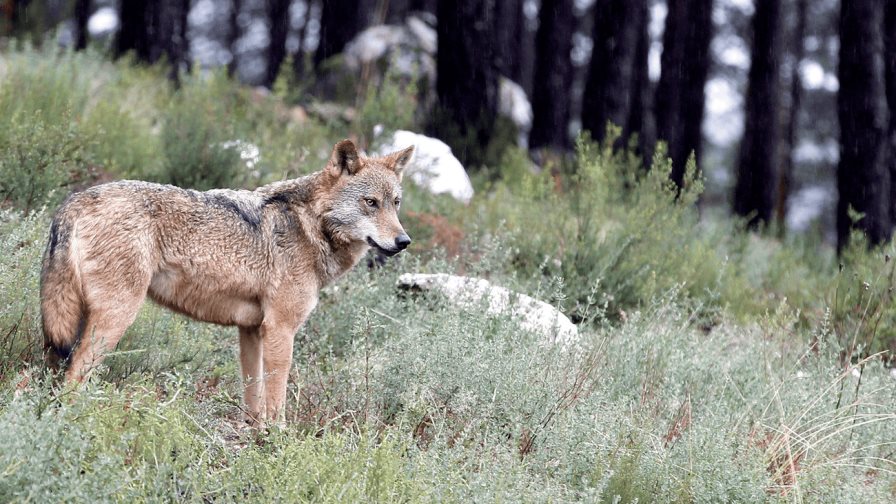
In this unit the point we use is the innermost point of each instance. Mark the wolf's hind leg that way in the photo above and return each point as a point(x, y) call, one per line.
point(251, 360)
point(101, 334)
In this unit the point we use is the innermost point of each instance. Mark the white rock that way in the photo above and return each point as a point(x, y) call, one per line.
point(372, 44)
point(409, 47)
point(425, 34)
point(433, 167)
point(514, 104)
point(102, 22)
point(533, 315)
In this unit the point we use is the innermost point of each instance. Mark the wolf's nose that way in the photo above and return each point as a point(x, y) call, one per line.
point(402, 241)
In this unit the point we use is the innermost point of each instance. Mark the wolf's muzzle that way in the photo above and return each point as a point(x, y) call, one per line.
point(402, 241)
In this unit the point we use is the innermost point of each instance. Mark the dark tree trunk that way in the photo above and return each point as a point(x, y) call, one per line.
point(640, 119)
point(863, 176)
point(508, 34)
point(179, 50)
point(785, 180)
point(278, 19)
point(154, 29)
point(890, 52)
point(396, 10)
point(233, 35)
point(430, 6)
point(757, 173)
point(525, 69)
point(340, 21)
point(466, 80)
point(685, 65)
point(298, 62)
point(169, 35)
point(14, 11)
point(82, 15)
point(424, 6)
point(611, 84)
point(135, 18)
point(553, 75)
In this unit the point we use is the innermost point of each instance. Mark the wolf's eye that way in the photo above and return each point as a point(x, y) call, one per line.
point(397, 201)
point(370, 202)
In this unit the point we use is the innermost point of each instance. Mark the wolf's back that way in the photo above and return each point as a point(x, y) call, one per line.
point(61, 299)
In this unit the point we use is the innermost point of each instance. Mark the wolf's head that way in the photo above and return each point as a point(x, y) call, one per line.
point(364, 197)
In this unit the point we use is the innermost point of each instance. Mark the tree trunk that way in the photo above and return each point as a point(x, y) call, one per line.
point(466, 80)
point(508, 34)
point(14, 11)
point(395, 10)
point(178, 51)
point(233, 35)
point(424, 6)
point(134, 29)
point(889, 31)
point(685, 65)
point(527, 54)
point(553, 76)
point(640, 119)
point(785, 180)
point(298, 62)
point(340, 20)
point(82, 15)
point(863, 176)
point(154, 29)
point(757, 170)
point(611, 84)
point(278, 19)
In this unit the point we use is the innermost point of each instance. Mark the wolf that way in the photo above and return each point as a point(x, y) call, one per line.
point(251, 259)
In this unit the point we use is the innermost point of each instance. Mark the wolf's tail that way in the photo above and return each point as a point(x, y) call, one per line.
point(62, 305)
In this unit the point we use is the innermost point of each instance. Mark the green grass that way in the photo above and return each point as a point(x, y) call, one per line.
point(712, 365)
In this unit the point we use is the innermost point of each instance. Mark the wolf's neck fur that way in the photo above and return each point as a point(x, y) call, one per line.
point(306, 199)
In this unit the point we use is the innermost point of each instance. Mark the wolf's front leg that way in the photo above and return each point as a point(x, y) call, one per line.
point(282, 320)
point(277, 350)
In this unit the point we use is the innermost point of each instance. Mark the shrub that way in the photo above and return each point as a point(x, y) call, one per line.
point(199, 140)
point(613, 229)
point(38, 160)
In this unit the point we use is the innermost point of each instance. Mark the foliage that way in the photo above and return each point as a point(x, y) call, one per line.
point(38, 161)
point(863, 313)
point(197, 137)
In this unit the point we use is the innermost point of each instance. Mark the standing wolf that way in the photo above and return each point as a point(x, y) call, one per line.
point(253, 259)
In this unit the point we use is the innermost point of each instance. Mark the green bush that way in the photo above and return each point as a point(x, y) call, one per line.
point(617, 235)
point(199, 140)
point(38, 160)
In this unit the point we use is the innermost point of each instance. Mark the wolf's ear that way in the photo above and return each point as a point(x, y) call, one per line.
point(401, 159)
point(345, 159)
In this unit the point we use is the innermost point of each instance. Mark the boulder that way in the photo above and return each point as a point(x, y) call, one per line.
point(433, 167)
point(532, 315)
point(410, 49)
point(514, 105)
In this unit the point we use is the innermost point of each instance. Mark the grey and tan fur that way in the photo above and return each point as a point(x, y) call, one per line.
point(251, 259)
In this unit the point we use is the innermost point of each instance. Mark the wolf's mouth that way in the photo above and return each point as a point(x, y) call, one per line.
point(382, 250)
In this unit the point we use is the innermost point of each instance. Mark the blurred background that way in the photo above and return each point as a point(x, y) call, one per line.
point(752, 88)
